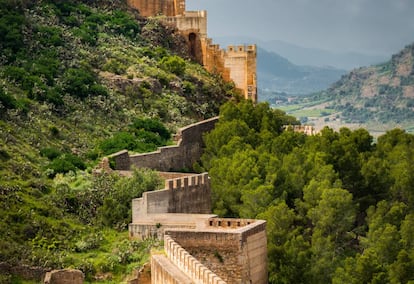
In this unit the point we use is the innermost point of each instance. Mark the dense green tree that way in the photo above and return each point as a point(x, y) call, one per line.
point(338, 206)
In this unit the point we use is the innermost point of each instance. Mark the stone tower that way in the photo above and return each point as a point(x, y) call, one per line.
point(237, 63)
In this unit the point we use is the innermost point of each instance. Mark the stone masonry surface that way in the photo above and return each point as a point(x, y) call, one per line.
point(199, 246)
point(183, 155)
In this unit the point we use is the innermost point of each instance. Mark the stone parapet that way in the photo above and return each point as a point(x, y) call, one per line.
point(177, 157)
point(188, 264)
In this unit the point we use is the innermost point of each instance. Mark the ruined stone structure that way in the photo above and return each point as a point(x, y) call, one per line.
point(64, 276)
point(237, 63)
point(305, 129)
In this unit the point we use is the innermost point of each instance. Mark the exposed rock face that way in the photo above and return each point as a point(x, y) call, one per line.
point(64, 276)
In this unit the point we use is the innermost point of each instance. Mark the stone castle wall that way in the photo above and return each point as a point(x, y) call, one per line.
point(237, 63)
point(189, 267)
point(237, 255)
point(182, 195)
point(170, 158)
point(148, 8)
point(241, 61)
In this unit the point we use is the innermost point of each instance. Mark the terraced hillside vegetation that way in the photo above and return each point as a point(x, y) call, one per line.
point(79, 80)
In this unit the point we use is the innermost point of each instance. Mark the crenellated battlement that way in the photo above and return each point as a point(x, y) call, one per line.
point(197, 182)
point(241, 48)
point(229, 223)
point(190, 195)
point(191, 267)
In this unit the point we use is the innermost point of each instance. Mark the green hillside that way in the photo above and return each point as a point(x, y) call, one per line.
point(382, 93)
point(78, 80)
point(378, 97)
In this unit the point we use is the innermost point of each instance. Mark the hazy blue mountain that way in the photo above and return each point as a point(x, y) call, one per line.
point(277, 74)
point(309, 56)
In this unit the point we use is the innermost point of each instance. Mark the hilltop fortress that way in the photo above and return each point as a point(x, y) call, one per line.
point(236, 63)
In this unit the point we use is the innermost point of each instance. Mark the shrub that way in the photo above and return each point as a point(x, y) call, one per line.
point(49, 36)
point(54, 131)
point(151, 125)
point(11, 24)
point(86, 35)
point(7, 100)
point(81, 83)
point(66, 163)
point(173, 64)
point(120, 141)
point(50, 153)
point(123, 24)
point(114, 66)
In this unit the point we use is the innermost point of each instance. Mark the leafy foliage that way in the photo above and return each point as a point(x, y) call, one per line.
point(337, 205)
point(72, 74)
point(144, 135)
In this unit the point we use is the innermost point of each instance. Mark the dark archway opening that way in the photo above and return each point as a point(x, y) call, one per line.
point(192, 39)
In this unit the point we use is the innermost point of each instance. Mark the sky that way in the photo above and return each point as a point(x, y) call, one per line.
point(374, 27)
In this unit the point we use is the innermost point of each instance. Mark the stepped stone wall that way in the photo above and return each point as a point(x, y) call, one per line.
point(199, 247)
point(181, 156)
point(189, 267)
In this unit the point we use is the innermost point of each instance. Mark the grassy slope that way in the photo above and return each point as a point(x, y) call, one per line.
point(134, 78)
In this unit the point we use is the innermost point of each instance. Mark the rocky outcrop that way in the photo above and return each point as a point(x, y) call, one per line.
point(64, 276)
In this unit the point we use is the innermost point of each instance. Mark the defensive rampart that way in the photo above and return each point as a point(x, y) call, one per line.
point(193, 269)
point(189, 195)
point(184, 203)
point(236, 250)
point(171, 158)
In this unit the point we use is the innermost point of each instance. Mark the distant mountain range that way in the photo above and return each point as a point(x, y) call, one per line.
point(309, 56)
point(378, 98)
point(383, 93)
point(294, 70)
point(277, 74)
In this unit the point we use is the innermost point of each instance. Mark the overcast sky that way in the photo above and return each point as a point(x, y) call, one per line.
point(368, 26)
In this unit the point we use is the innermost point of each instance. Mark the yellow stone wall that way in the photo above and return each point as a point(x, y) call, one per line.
point(148, 8)
point(237, 63)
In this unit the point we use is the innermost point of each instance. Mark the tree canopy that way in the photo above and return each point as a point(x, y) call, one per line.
point(339, 207)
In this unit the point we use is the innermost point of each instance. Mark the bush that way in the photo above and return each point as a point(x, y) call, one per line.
point(123, 24)
point(49, 36)
point(8, 101)
point(50, 153)
point(151, 125)
point(114, 66)
point(120, 141)
point(11, 25)
point(173, 64)
point(66, 163)
point(81, 83)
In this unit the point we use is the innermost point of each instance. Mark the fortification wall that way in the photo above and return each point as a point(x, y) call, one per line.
point(241, 61)
point(236, 250)
point(187, 264)
point(170, 158)
point(189, 194)
point(150, 8)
